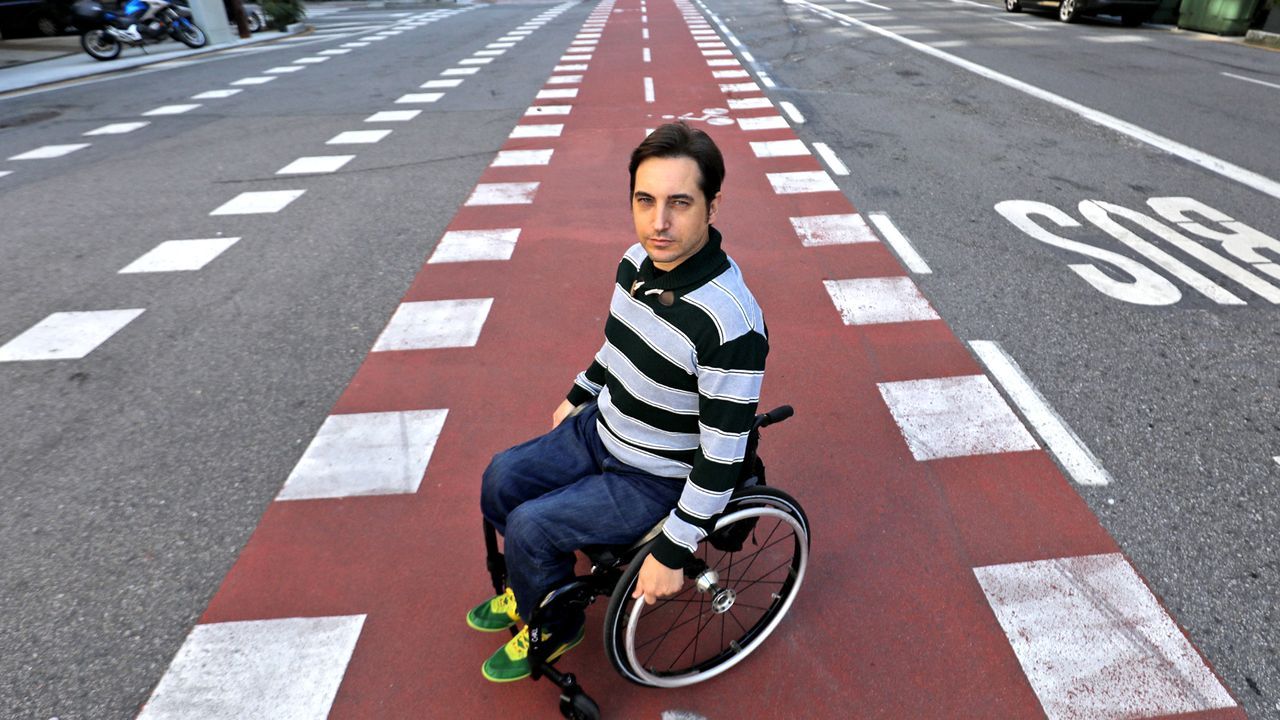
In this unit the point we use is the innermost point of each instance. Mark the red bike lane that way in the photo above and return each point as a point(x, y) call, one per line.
point(922, 580)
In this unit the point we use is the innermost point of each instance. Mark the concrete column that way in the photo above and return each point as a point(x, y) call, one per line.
point(211, 16)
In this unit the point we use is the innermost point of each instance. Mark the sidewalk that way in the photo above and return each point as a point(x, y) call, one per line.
point(26, 64)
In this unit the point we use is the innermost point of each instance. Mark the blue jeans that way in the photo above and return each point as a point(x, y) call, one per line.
point(557, 493)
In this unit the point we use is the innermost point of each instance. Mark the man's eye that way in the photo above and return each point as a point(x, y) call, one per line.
point(680, 203)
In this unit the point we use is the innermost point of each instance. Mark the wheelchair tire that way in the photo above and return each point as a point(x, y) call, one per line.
point(722, 629)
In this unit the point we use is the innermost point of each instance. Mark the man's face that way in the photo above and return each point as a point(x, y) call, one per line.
point(671, 215)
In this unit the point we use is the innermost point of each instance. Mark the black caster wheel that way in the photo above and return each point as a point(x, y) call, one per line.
point(579, 707)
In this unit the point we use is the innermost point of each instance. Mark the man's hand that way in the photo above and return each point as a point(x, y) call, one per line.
point(657, 581)
point(561, 413)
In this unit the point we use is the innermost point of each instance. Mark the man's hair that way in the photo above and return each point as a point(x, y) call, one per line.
point(679, 140)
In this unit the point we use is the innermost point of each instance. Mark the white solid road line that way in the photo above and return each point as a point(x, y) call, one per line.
point(1065, 445)
point(906, 253)
point(1217, 165)
point(1247, 79)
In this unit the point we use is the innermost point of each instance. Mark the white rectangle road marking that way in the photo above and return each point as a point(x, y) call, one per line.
point(475, 61)
point(548, 110)
point(755, 103)
point(521, 158)
point(729, 74)
point(779, 148)
point(717, 53)
point(357, 137)
point(67, 335)
point(1094, 642)
point(434, 324)
point(872, 301)
point(454, 72)
point(792, 183)
point(393, 116)
point(564, 79)
point(315, 164)
point(489, 53)
point(118, 128)
point(256, 80)
point(503, 194)
point(557, 94)
point(255, 203)
point(221, 94)
point(171, 109)
point(792, 112)
point(536, 131)
point(381, 453)
point(50, 151)
point(575, 57)
point(570, 68)
point(954, 417)
point(1066, 446)
point(768, 122)
point(283, 69)
point(648, 90)
point(740, 87)
point(437, 84)
point(475, 245)
point(418, 98)
point(815, 230)
point(310, 60)
point(906, 253)
point(830, 158)
point(288, 667)
point(179, 255)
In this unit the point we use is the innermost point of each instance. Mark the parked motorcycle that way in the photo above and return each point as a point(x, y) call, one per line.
point(142, 22)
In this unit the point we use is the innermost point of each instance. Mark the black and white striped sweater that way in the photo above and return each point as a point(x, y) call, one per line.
point(678, 380)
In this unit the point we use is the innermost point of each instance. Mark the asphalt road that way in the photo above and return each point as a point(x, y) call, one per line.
point(132, 481)
point(1180, 403)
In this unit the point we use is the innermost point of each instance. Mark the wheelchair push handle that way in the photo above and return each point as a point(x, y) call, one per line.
point(775, 415)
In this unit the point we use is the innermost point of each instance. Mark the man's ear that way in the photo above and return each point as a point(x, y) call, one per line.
point(712, 208)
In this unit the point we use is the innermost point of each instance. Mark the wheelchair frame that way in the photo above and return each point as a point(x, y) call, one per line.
point(612, 564)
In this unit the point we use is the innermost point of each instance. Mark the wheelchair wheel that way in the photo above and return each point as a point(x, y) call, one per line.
point(755, 562)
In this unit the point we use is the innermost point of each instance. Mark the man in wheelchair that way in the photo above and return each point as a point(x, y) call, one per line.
point(656, 427)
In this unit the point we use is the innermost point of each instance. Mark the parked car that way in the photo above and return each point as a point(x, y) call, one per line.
point(1131, 12)
point(27, 18)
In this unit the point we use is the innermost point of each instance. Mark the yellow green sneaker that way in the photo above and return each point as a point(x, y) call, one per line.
point(511, 661)
point(497, 613)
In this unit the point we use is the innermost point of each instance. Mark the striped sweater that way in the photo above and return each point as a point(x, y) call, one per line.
point(678, 380)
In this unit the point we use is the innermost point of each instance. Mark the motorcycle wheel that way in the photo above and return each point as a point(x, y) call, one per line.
point(100, 45)
point(189, 34)
point(255, 22)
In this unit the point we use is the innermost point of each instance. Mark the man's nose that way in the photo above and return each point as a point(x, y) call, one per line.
point(661, 220)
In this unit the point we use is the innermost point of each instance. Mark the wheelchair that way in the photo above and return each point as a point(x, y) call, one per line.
point(745, 575)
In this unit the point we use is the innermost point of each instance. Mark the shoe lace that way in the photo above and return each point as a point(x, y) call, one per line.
point(521, 642)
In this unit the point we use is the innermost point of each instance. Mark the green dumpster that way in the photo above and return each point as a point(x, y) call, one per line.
point(1224, 17)
point(1166, 13)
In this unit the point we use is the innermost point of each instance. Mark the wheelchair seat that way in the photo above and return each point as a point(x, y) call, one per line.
point(606, 556)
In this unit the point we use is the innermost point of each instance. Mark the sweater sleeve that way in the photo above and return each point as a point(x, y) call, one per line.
point(589, 382)
point(729, 380)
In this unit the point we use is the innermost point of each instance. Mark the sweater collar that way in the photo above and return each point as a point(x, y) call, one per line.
point(705, 264)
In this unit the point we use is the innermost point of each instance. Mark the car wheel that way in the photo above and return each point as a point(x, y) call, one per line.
point(254, 22)
point(1013, 5)
point(1069, 11)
